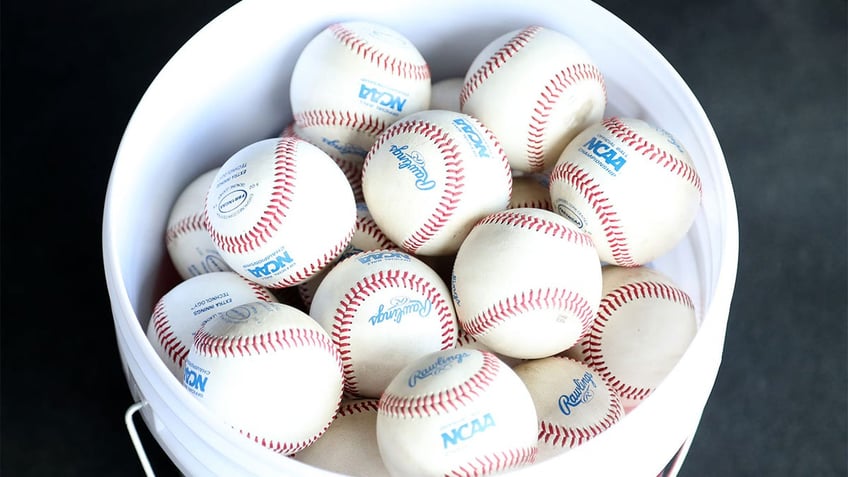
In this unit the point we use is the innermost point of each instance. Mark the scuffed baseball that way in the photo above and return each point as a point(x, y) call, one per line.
point(279, 211)
point(383, 309)
point(349, 446)
point(629, 184)
point(269, 371)
point(430, 176)
point(189, 245)
point(351, 81)
point(456, 412)
point(183, 309)
point(526, 283)
point(644, 324)
point(573, 401)
point(535, 88)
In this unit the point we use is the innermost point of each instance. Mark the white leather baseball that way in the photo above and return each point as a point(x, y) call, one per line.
point(189, 245)
point(574, 403)
point(351, 81)
point(629, 184)
point(349, 446)
point(430, 176)
point(279, 211)
point(526, 283)
point(535, 88)
point(366, 236)
point(643, 326)
point(456, 412)
point(384, 309)
point(180, 312)
point(269, 371)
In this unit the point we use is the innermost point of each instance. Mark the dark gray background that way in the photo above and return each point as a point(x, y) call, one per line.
point(771, 75)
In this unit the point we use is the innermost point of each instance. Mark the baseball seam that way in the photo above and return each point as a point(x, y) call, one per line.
point(165, 335)
point(495, 462)
point(263, 343)
point(445, 400)
point(367, 226)
point(611, 302)
point(527, 301)
point(603, 207)
point(452, 191)
point(549, 96)
point(653, 153)
point(358, 407)
point(370, 53)
point(345, 315)
point(353, 120)
point(190, 223)
point(498, 58)
point(533, 204)
point(538, 224)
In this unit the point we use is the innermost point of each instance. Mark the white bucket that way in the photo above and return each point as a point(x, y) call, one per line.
point(228, 87)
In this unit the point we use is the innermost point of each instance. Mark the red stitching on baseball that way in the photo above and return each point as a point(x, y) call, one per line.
point(269, 342)
point(358, 406)
point(446, 400)
point(370, 53)
point(367, 226)
point(343, 319)
point(186, 225)
point(452, 191)
point(611, 302)
point(653, 152)
point(533, 204)
point(349, 119)
point(498, 58)
point(496, 462)
point(603, 207)
point(537, 224)
point(547, 101)
point(166, 336)
point(531, 300)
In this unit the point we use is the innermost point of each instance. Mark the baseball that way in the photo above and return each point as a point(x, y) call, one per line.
point(445, 94)
point(383, 309)
point(180, 312)
point(526, 283)
point(351, 81)
point(366, 236)
point(535, 88)
point(456, 412)
point(349, 446)
point(269, 371)
point(430, 176)
point(573, 403)
point(279, 211)
point(189, 245)
point(629, 184)
point(643, 326)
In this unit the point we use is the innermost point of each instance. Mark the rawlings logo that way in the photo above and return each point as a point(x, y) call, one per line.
point(582, 393)
point(398, 308)
point(415, 164)
point(382, 98)
point(473, 137)
point(467, 430)
point(599, 149)
point(441, 364)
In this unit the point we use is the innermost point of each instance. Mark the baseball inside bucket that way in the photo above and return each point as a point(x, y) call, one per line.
point(229, 86)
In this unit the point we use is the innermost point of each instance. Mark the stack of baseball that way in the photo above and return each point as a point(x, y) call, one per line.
point(432, 278)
